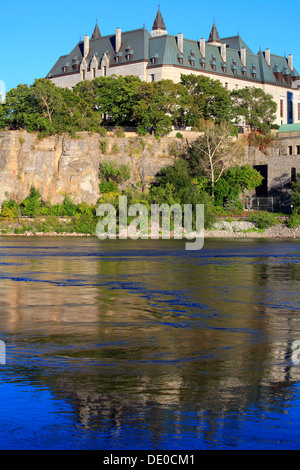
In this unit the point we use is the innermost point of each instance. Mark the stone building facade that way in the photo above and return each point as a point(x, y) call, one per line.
point(280, 165)
point(157, 55)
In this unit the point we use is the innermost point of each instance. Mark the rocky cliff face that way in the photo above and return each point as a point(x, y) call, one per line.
point(60, 165)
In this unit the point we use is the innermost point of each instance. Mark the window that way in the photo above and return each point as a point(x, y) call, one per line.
point(152, 78)
point(298, 149)
point(290, 150)
point(253, 74)
point(83, 75)
point(128, 56)
point(226, 85)
point(192, 62)
point(117, 58)
point(244, 73)
point(293, 175)
point(236, 87)
point(93, 72)
point(180, 60)
point(203, 64)
point(105, 71)
point(153, 60)
point(281, 108)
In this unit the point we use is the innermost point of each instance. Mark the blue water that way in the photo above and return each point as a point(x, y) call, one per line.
point(144, 345)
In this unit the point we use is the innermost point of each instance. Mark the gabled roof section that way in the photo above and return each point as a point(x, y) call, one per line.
point(237, 43)
point(158, 22)
point(214, 35)
point(96, 34)
point(135, 42)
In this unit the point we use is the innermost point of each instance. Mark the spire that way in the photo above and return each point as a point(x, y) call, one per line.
point(158, 22)
point(214, 35)
point(159, 27)
point(96, 33)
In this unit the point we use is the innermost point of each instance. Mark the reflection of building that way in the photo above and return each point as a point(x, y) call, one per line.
point(159, 56)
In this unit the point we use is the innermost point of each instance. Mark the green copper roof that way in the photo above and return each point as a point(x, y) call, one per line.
point(164, 49)
point(237, 43)
point(289, 128)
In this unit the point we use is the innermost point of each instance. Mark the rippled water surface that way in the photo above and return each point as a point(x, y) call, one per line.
point(144, 345)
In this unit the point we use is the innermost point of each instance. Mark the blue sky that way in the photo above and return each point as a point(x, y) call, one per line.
point(34, 34)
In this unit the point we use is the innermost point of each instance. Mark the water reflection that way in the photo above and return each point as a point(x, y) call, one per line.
point(149, 346)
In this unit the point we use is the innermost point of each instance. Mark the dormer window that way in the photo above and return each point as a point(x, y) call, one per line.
point(202, 63)
point(118, 57)
point(224, 67)
point(154, 59)
point(180, 59)
point(128, 56)
point(192, 60)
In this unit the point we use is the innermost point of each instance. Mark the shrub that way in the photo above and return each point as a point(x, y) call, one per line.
point(294, 220)
point(69, 208)
point(119, 131)
point(10, 209)
point(263, 219)
point(110, 171)
point(32, 203)
point(108, 187)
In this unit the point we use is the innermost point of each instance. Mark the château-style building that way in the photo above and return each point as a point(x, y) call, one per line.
point(157, 55)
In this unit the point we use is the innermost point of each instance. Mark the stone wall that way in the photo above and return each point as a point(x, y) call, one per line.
point(60, 165)
point(280, 165)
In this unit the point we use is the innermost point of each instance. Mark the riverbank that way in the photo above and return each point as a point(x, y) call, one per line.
point(222, 229)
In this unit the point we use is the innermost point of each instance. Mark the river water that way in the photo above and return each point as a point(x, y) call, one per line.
point(144, 345)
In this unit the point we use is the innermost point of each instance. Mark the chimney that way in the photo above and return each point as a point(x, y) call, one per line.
point(290, 62)
point(202, 47)
point(223, 52)
point(268, 56)
point(180, 42)
point(244, 56)
point(86, 46)
point(118, 39)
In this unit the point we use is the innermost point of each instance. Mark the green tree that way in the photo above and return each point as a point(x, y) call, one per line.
point(295, 196)
point(112, 97)
point(255, 107)
point(234, 182)
point(209, 100)
point(48, 96)
point(215, 151)
point(21, 109)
